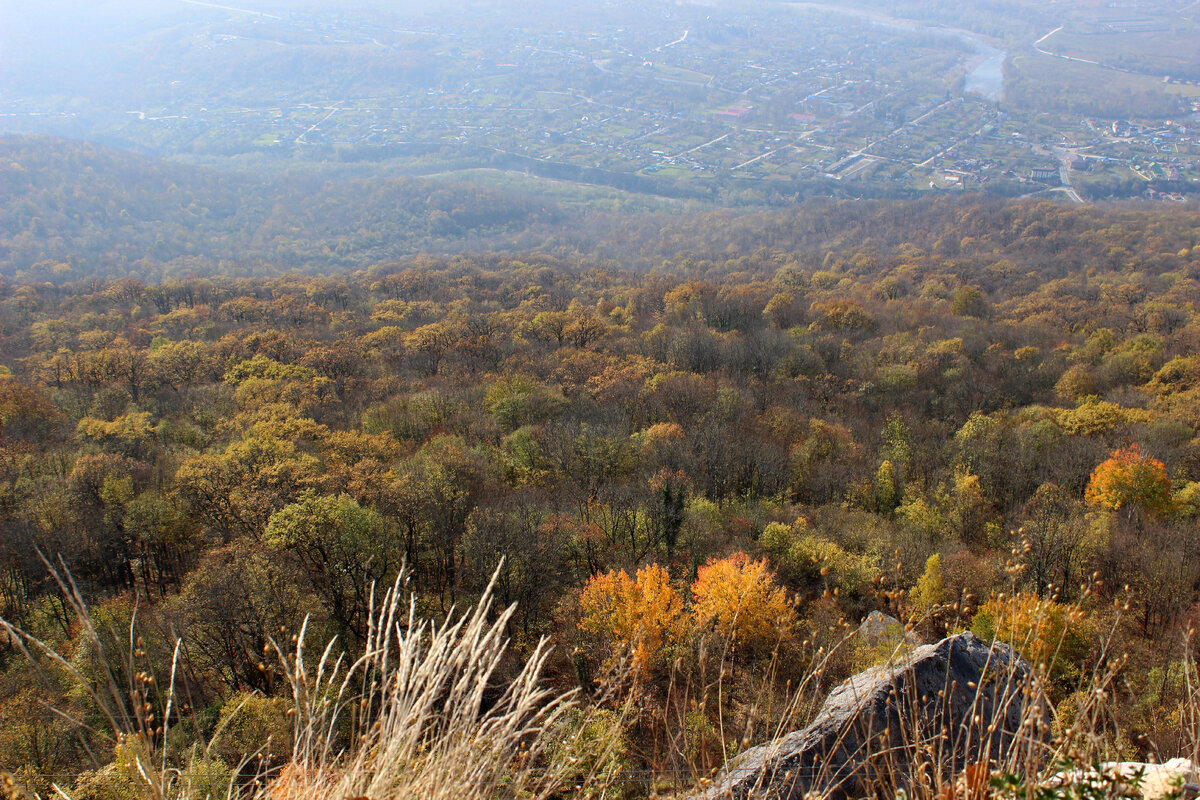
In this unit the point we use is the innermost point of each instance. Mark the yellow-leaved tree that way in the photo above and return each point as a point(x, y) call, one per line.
point(639, 615)
point(930, 590)
point(740, 600)
point(1051, 635)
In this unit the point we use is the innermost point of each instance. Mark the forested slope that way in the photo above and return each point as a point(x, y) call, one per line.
point(972, 414)
point(72, 209)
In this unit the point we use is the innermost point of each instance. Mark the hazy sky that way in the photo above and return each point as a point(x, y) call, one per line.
point(44, 31)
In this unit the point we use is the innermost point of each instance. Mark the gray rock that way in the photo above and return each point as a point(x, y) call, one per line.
point(879, 628)
point(947, 705)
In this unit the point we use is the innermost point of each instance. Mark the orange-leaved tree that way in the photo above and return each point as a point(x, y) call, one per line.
point(641, 615)
point(739, 598)
point(1130, 480)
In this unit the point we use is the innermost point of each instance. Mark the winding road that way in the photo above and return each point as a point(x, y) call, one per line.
point(1038, 46)
point(231, 8)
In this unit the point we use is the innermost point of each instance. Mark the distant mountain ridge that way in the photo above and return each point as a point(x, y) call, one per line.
point(72, 209)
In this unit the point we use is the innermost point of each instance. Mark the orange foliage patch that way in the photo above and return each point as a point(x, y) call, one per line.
point(641, 614)
point(739, 598)
point(1130, 479)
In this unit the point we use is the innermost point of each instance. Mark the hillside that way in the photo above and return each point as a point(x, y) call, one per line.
point(617, 400)
point(694, 451)
point(72, 209)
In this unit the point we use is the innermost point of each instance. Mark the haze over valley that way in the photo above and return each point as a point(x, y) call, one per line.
point(732, 103)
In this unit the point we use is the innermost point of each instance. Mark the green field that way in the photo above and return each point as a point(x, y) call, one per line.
point(1168, 51)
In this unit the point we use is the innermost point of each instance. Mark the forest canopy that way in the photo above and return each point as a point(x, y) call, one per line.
point(972, 414)
point(74, 209)
point(127, 215)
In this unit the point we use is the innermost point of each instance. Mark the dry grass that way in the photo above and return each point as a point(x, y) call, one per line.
point(423, 714)
point(419, 715)
point(420, 699)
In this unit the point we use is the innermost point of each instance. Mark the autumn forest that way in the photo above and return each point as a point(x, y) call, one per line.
point(969, 413)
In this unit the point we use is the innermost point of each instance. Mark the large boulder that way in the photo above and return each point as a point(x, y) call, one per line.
point(944, 707)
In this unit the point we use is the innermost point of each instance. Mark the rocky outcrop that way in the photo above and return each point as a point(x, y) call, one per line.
point(947, 705)
point(879, 629)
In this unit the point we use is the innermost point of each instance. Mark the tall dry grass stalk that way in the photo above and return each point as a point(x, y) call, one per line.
point(424, 713)
point(431, 720)
point(138, 714)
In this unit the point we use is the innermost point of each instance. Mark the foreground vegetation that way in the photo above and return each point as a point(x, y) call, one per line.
point(694, 479)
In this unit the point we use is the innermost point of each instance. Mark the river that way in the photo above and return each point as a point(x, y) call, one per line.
point(985, 78)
